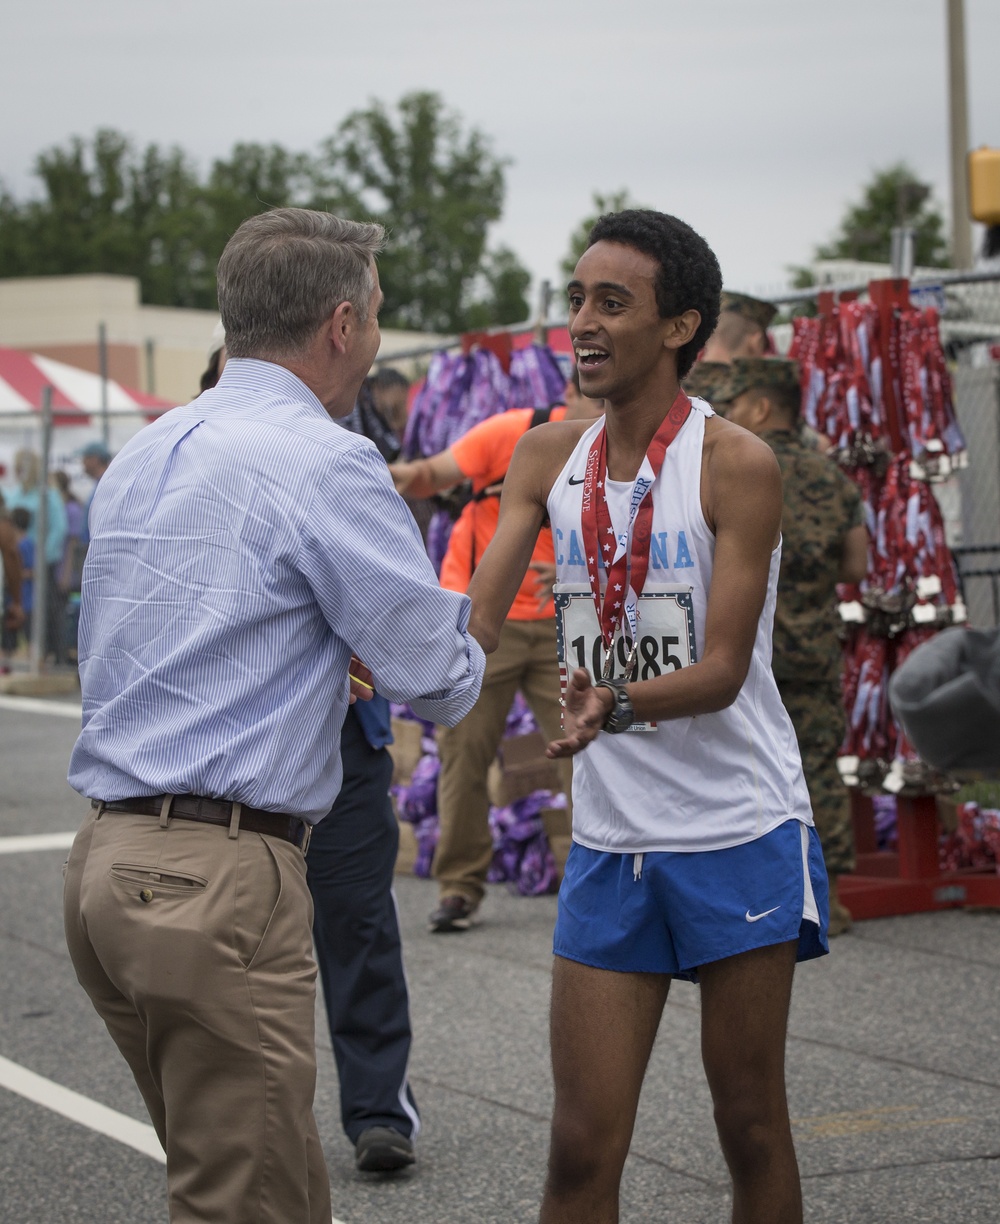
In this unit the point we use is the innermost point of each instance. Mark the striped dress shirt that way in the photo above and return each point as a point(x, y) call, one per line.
point(242, 549)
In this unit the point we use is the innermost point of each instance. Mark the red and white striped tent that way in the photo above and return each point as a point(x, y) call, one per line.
point(76, 394)
point(76, 409)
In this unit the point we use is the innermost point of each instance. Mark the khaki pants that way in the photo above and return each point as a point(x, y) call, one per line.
point(196, 950)
point(525, 659)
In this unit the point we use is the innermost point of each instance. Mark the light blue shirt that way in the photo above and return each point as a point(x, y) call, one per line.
point(55, 535)
point(242, 548)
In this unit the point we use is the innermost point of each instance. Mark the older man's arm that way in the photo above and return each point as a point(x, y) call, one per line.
point(366, 563)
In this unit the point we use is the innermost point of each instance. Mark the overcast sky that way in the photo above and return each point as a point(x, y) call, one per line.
point(756, 121)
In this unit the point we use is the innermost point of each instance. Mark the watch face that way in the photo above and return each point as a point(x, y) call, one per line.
point(622, 714)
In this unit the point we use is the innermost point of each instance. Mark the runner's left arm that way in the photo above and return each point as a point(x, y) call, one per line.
point(744, 495)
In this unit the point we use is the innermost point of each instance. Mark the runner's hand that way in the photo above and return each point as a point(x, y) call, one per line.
point(584, 712)
point(362, 681)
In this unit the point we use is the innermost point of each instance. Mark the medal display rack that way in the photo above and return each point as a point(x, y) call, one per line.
point(909, 878)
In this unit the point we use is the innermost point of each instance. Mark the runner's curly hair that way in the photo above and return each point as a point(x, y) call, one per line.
point(690, 278)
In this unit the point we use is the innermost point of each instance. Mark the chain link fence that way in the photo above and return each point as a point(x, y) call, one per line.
point(38, 449)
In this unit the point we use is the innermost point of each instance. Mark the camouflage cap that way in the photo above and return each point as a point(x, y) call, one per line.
point(761, 313)
point(706, 379)
point(761, 373)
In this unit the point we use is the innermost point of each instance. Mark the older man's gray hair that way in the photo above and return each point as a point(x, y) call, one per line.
point(283, 272)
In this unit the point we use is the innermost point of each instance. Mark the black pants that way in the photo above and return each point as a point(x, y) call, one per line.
point(350, 864)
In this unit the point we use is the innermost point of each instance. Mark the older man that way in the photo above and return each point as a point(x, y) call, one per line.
point(243, 548)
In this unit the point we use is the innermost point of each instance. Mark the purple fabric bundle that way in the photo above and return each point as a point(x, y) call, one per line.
point(438, 535)
point(536, 378)
point(520, 720)
point(521, 854)
point(417, 803)
point(885, 821)
point(462, 389)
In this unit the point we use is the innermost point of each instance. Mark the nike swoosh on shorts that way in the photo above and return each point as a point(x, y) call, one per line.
point(757, 917)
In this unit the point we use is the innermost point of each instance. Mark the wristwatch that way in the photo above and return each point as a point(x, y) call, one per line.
point(622, 715)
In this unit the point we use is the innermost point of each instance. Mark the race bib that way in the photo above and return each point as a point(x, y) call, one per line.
point(666, 638)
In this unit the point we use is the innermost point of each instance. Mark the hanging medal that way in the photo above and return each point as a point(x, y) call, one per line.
point(623, 556)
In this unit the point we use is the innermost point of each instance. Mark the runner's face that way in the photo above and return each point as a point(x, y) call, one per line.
point(615, 323)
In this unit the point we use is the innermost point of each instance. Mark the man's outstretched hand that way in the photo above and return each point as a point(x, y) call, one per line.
point(584, 712)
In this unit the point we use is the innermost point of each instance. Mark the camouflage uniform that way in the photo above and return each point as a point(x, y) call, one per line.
point(706, 379)
point(821, 506)
point(757, 311)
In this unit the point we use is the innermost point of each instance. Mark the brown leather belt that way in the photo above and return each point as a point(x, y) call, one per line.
point(217, 812)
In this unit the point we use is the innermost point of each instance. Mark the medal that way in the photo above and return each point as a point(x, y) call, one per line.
point(625, 557)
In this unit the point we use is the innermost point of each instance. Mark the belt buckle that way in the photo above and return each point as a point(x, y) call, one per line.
point(307, 832)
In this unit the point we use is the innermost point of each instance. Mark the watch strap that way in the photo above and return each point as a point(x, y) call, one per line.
point(621, 716)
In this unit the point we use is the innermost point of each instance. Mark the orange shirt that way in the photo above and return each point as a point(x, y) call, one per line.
point(483, 455)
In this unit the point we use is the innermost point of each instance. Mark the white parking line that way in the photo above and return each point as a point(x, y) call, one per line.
point(32, 705)
point(81, 1109)
point(36, 841)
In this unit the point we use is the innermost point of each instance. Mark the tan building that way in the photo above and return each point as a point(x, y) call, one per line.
point(157, 349)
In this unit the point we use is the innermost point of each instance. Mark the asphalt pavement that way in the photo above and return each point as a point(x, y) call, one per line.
point(893, 1060)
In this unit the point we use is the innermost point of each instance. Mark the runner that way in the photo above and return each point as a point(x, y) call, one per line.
point(694, 854)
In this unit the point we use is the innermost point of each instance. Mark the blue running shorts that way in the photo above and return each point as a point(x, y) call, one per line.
point(666, 912)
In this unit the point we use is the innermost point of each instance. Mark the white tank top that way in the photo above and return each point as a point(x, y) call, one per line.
point(699, 783)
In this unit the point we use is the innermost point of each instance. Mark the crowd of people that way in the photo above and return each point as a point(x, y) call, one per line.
point(652, 563)
point(62, 553)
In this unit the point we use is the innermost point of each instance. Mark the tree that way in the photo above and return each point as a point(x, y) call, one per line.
point(500, 294)
point(613, 202)
point(893, 197)
point(107, 206)
point(436, 189)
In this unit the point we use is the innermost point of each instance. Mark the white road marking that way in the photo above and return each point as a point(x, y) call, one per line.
point(33, 705)
point(81, 1109)
point(37, 841)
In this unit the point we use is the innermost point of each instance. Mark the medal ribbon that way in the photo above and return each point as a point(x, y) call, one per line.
point(625, 558)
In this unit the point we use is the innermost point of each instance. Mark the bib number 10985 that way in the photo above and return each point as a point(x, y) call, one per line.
point(666, 636)
point(655, 656)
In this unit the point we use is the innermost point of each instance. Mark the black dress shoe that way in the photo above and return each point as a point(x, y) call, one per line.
point(380, 1149)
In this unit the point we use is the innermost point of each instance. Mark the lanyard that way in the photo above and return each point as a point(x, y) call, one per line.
point(625, 557)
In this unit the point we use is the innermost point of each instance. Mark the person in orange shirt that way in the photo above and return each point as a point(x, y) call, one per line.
point(525, 659)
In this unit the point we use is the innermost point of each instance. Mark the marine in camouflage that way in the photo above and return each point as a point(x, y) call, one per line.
point(820, 507)
point(817, 714)
point(760, 373)
point(761, 313)
point(707, 379)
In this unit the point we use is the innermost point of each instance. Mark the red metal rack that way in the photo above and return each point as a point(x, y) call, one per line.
point(909, 880)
